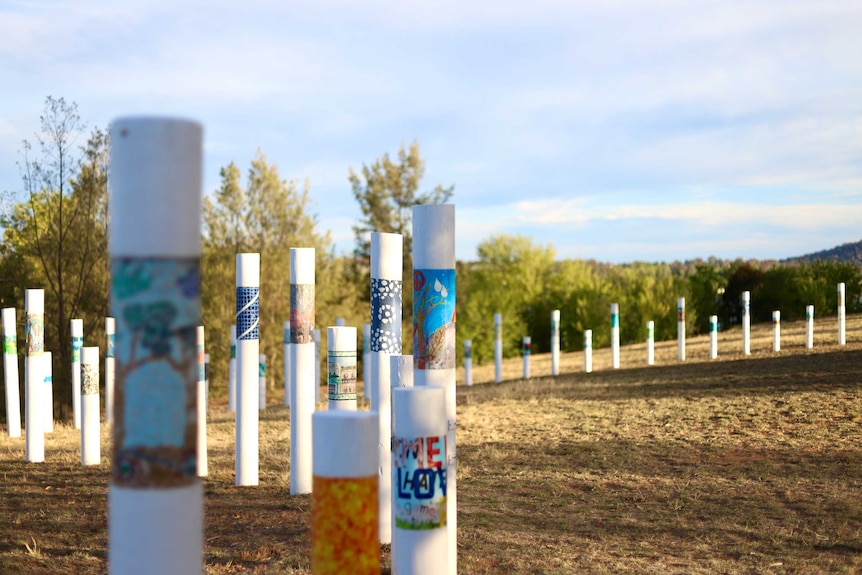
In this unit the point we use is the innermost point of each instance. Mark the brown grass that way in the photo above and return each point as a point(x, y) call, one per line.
point(740, 465)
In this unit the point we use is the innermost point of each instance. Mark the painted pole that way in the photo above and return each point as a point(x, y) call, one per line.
point(809, 326)
point(302, 362)
point(91, 449)
point(287, 370)
point(419, 457)
point(434, 331)
point(34, 413)
point(341, 361)
point(155, 500)
point(316, 336)
point(555, 342)
point(401, 376)
point(207, 382)
point(48, 390)
point(386, 338)
point(588, 351)
point(526, 344)
point(615, 335)
point(261, 380)
point(366, 361)
point(344, 537)
point(746, 323)
point(680, 328)
point(201, 395)
point(842, 317)
point(468, 362)
point(10, 373)
point(776, 330)
point(498, 347)
point(247, 367)
point(110, 331)
point(713, 336)
point(650, 343)
point(231, 391)
point(77, 333)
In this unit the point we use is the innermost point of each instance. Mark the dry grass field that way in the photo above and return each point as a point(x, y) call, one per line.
point(738, 465)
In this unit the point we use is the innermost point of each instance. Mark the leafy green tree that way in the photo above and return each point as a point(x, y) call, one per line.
point(705, 286)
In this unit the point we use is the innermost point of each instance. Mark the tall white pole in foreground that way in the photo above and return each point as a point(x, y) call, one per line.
point(555, 342)
point(526, 344)
point(366, 361)
point(387, 261)
point(315, 335)
point(680, 328)
point(420, 477)
point(842, 318)
point(341, 359)
point(498, 347)
point(615, 335)
point(34, 413)
point(247, 355)
point(776, 330)
point(287, 371)
point(201, 395)
point(713, 336)
point(110, 331)
point(231, 384)
point(746, 323)
point(468, 362)
point(91, 449)
point(302, 362)
point(261, 380)
point(588, 351)
point(809, 326)
point(48, 390)
point(155, 500)
point(77, 330)
point(434, 331)
point(650, 343)
point(10, 373)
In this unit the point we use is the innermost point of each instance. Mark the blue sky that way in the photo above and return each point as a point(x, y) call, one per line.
point(614, 130)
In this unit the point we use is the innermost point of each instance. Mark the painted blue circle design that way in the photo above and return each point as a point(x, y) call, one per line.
point(247, 313)
point(386, 316)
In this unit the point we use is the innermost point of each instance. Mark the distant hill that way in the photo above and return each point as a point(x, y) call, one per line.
point(851, 252)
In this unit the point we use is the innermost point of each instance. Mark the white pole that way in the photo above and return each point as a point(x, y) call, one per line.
point(842, 318)
point(261, 388)
point(91, 449)
point(650, 343)
point(231, 385)
point(110, 331)
point(498, 347)
point(10, 373)
point(468, 362)
point(588, 351)
point(615, 335)
point(434, 330)
point(247, 379)
point(34, 413)
point(302, 362)
point(419, 457)
point(77, 333)
point(386, 313)
point(713, 336)
point(366, 361)
point(776, 330)
point(155, 500)
point(207, 382)
point(526, 343)
point(203, 463)
point(287, 370)
point(341, 359)
point(555, 342)
point(48, 390)
point(401, 376)
point(746, 323)
point(316, 337)
point(680, 328)
point(809, 326)
point(344, 537)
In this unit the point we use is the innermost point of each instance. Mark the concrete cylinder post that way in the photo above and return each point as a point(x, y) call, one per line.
point(287, 370)
point(48, 391)
point(344, 537)
point(776, 330)
point(247, 367)
point(588, 351)
point(155, 500)
point(201, 395)
point(34, 412)
point(10, 373)
point(77, 334)
point(434, 331)
point(650, 343)
point(615, 335)
point(555, 342)
point(261, 389)
point(713, 336)
point(498, 347)
point(526, 345)
point(419, 457)
point(468, 362)
point(387, 261)
point(366, 361)
point(91, 449)
point(316, 337)
point(231, 384)
point(746, 323)
point(680, 328)
point(842, 315)
point(341, 361)
point(110, 332)
point(809, 326)
point(304, 364)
